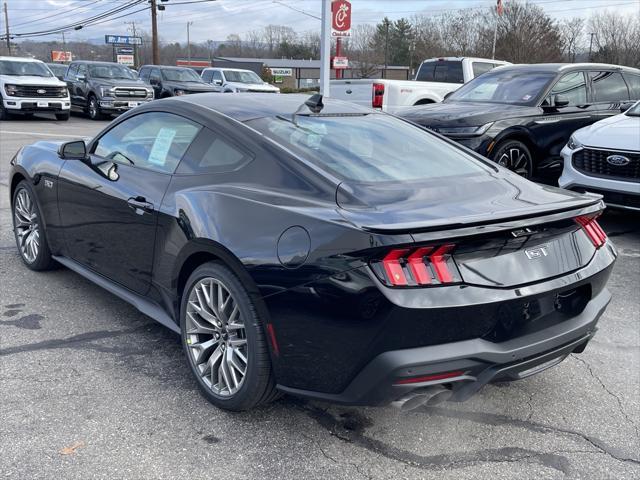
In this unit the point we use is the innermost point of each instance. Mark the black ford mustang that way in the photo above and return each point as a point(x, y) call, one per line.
point(320, 249)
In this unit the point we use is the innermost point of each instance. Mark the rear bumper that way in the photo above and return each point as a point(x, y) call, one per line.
point(479, 360)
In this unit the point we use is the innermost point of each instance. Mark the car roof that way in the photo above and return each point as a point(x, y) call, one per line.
point(232, 69)
point(21, 59)
point(249, 106)
point(563, 67)
point(166, 67)
point(96, 62)
point(458, 59)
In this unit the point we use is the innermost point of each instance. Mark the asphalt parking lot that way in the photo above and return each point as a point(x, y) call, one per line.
point(90, 388)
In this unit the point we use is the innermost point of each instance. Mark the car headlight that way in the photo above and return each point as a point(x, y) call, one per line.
point(11, 89)
point(464, 131)
point(107, 91)
point(573, 144)
point(178, 92)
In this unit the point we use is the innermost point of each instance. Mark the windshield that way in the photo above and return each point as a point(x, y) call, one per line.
point(512, 87)
point(634, 111)
point(57, 69)
point(368, 148)
point(242, 77)
point(111, 71)
point(181, 75)
point(35, 69)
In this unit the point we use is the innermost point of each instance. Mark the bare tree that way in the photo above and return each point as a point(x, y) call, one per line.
point(362, 52)
point(617, 38)
point(572, 32)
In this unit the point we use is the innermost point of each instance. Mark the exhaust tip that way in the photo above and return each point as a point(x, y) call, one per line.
point(430, 396)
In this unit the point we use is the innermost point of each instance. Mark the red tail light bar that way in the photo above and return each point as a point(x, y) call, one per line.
point(592, 229)
point(431, 265)
point(377, 95)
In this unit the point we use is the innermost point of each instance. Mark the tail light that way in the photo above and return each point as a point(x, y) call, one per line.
point(377, 95)
point(593, 230)
point(430, 265)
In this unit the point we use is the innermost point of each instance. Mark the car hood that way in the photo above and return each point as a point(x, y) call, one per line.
point(32, 80)
point(451, 201)
point(190, 86)
point(620, 132)
point(252, 86)
point(119, 83)
point(453, 114)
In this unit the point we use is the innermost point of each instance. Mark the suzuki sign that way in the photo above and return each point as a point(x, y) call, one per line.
point(340, 18)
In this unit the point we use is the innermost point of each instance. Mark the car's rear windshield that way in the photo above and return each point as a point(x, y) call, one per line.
point(512, 87)
point(368, 148)
point(13, 68)
point(111, 71)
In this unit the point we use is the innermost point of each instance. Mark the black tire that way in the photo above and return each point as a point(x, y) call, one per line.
point(63, 117)
point(4, 115)
point(258, 385)
point(515, 156)
point(43, 259)
point(94, 109)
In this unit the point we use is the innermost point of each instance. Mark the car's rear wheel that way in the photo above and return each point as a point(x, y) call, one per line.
point(63, 117)
point(29, 230)
point(515, 156)
point(94, 109)
point(223, 339)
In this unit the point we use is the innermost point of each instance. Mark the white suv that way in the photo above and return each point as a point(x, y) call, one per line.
point(27, 86)
point(235, 80)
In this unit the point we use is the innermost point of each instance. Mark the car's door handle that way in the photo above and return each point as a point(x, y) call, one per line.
point(140, 205)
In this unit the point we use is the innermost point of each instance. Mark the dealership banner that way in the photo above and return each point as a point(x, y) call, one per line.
point(60, 56)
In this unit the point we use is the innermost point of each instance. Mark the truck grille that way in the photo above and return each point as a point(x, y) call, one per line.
point(594, 163)
point(131, 92)
point(35, 91)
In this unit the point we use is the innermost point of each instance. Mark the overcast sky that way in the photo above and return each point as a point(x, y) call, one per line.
point(215, 20)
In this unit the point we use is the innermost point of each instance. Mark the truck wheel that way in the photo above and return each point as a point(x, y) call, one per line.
point(63, 117)
point(94, 109)
point(515, 156)
point(4, 115)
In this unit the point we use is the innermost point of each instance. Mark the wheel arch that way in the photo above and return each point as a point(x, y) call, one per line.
point(15, 180)
point(424, 101)
point(519, 135)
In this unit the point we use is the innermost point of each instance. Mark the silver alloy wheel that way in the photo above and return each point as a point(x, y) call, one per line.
point(515, 160)
point(93, 107)
point(216, 337)
point(26, 226)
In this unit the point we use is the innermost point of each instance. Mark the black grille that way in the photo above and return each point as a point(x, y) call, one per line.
point(131, 92)
point(35, 91)
point(594, 163)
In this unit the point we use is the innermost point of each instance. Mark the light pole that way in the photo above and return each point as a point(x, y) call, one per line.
point(189, 44)
point(325, 48)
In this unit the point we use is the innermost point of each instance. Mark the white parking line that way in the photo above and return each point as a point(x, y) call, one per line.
point(42, 134)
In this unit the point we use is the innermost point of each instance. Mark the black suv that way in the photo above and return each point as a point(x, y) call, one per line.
point(173, 81)
point(521, 116)
point(104, 88)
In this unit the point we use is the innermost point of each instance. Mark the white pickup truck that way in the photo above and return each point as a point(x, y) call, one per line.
point(436, 77)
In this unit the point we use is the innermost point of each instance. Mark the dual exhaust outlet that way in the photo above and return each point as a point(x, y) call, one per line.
point(428, 396)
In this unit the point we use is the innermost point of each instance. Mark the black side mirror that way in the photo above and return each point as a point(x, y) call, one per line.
point(217, 82)
point(625, 106)
point(75, 150)
point(560, 101)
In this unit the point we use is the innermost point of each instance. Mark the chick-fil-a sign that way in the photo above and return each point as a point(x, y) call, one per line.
point(340, 18)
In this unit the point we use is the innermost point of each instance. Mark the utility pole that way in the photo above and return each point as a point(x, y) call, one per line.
point(590, 40)
point(6, 27)
point(189, 44)
point(154, 33)
point(386, 47)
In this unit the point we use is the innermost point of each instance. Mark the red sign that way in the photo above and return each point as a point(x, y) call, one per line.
point(60, 56)
point(340, 18)
point(193, 63)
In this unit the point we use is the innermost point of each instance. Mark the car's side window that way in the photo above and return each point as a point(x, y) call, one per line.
point(217, 75)
point(155, 75)
point(144, 74)
point(608, 87)
point(633, 82)
point(154, 141)
point(481, 67)
point(72, 71)
point(572, 87)
point(207, 75)
point(82, 69)
point(212, 153)
point(425, 74)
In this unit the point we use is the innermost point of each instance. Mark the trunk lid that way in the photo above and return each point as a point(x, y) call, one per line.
point(494, 221)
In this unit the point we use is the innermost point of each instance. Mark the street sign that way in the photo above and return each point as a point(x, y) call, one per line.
point(60, 56)
point(124, 50)
point(281, 72)
point(126, 60)
point(122, 39)
point(340, 63)
point(340, 18)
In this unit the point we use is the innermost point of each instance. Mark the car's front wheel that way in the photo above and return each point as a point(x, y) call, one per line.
point(28, 229)
point(63, 117)
point(515, 156)
point(222, 335)
point(94, 109)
